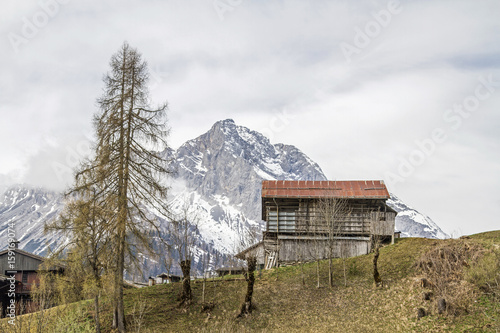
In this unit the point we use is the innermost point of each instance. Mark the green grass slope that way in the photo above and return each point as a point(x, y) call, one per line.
point(285, 304)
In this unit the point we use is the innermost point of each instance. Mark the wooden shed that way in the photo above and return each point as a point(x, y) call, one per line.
point(297, 228)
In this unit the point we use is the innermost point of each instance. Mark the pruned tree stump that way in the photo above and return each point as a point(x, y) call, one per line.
point(207, 307)
point(428, 295)
point(441, 305)
point(187, 295)
point(424, 283)
point(247, 307)
point(421, 313)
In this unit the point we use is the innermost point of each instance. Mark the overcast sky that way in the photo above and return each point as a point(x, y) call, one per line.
point(403, 91)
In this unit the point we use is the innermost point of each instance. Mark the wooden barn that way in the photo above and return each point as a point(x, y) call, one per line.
point(307, 220)
point(23, 266)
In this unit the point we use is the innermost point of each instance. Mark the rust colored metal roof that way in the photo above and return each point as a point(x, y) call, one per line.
point(363, 189)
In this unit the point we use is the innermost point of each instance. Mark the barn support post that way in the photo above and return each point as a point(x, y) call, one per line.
point(277, 255)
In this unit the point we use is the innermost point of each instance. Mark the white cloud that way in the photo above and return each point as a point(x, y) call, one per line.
point(359, 118)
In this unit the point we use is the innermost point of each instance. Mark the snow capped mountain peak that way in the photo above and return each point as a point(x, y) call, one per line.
point(232, 161)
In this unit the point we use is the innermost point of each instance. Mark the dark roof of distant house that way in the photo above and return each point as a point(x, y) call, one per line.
point(31, 255)
point(351, 189)
point(28, 254)
point(163, 275)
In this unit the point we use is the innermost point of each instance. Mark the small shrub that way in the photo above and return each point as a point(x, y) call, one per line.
point(485, 274)
point(353, 268)
point(74, 320)
point(140, 310)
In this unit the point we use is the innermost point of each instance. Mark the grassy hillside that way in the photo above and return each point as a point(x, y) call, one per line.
point(284, 303)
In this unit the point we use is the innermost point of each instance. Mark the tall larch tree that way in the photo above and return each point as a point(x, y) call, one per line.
point(128, 167)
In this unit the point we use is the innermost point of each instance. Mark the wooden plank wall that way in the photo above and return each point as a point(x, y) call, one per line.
point(22, 263)
point(362, 219)
point(291, 250)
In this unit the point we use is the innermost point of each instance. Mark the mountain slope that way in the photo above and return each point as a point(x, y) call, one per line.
point(28, 208)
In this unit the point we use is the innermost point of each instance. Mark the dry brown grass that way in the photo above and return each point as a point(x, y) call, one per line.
point(444, 267)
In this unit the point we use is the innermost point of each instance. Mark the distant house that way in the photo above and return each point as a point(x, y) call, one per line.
point(151, 281)
point(296, 229)
point(167, 278)
point(23, 267)
point(230, 271)
point(163, 278)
